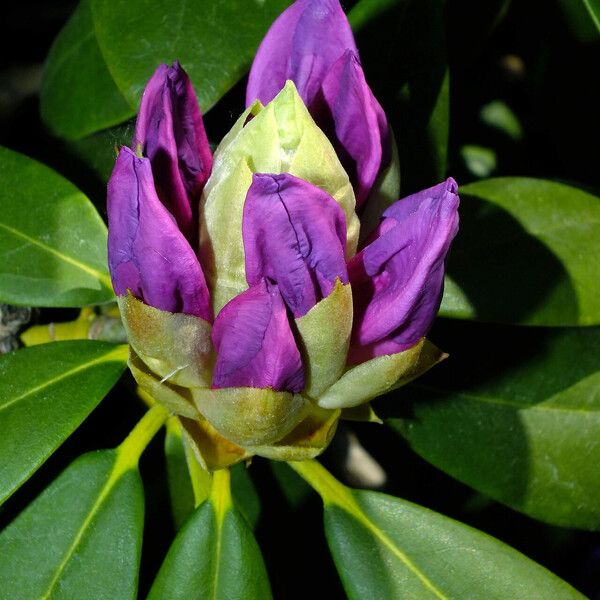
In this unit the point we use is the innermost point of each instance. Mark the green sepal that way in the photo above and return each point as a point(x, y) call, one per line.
point(363, 382)
point(175, 399)
point(281, 138)
point(250, 416)
point(175, 346)
point(307, 440)
point(324, 336)
point(384, 193)
point(221, 243)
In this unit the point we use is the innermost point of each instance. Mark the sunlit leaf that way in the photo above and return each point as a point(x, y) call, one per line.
point(385, 547)
point(81, 538)
point(45, 393)
point(52, 240)
point(214, 556)
point(517, 417)
point(523, 254)
point(78, 94)
point(215, 43)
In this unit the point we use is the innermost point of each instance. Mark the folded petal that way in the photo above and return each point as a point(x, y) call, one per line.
point(171, 134)
point(255, 344)
point(355, 122)
point(397, 279)
point(147, 253)
point(301, 45)
point(294, 234)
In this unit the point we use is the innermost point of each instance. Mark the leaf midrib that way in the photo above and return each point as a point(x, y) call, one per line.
point(102, 277)
point(348, 504)
point(114, 476)
point(112, 355)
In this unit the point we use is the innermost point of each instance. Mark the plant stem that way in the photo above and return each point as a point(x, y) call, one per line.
point(220, 492)
point(325, 484)
point(130, 450)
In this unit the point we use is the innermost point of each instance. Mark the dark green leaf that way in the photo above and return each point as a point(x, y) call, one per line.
point(294, 488)
point(521, 425)
point(81, 538)
point(99, 151)
point(523, 254)
point(244, 493)
point(45, 393)
point(385, 548)
point(181, 492)
point(215, 42)
point(78, 93)
point(214, 556)
point(52, 240)
point(583, 17)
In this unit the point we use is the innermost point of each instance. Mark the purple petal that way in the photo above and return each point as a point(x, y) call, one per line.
point(254, 343)
point(147, 253)
point(355, 122)
point(301, 45)
point(294, 234)
point(171, 134)
point(397, 280)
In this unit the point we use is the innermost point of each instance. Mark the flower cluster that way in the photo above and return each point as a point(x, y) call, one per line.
point(250, 313)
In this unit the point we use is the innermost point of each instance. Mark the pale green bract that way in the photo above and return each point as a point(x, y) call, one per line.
point(281, 137)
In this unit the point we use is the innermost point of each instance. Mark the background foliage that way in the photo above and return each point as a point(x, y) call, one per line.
point(505, 436)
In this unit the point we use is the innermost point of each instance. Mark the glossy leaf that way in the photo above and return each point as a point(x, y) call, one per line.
point(214, 43)
point(45, 393)
point(245, 496)
point(214, 556)
point(81, 538)
point(517, 417)
point(78, 95)
point(385, 547)
point(389, 548)
point(52, 240)
point(523, 254)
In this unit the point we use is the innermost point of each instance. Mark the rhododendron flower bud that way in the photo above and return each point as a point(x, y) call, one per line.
point(147, 253)
point(170, 132)
point(397, 279)
point(306, 331)
point(311, 44)
point(294, 234)
point(254, 343)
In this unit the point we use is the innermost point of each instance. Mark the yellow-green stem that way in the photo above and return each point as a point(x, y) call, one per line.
point(334, 492)
point(325, 484)
point(220, 492)
point(135, 443)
